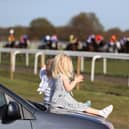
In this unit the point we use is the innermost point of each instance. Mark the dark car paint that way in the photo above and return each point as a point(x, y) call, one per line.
point(53, 120)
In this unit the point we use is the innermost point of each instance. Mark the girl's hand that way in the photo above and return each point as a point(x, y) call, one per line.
point(79, 78)
point(44, 66)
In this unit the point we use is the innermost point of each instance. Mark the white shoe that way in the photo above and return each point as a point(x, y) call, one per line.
point(106, 111)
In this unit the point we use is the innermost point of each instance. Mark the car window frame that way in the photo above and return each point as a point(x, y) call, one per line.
point(25, 114)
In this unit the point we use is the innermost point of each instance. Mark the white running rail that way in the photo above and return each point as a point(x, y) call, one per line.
point(37, 52)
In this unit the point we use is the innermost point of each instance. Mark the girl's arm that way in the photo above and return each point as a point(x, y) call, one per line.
point(70, 85)
point(42, 72)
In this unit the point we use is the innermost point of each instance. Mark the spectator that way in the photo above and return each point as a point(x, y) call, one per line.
point(65, 81)
point(46, 84)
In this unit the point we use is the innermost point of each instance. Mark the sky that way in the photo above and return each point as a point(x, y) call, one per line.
point(111, 13)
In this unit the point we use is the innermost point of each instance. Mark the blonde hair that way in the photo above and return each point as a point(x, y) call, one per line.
point(62, 65)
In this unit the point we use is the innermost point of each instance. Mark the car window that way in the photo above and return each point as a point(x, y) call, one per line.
point(2, 99)
point(5, 99)
point(25, 114)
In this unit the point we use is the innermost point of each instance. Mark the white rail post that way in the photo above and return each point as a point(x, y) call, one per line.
point(27, 59)
point(105, 66)
point(0, 57)
point(11, 66)
point(93, 66)
point(14, 59)
point(36, 62)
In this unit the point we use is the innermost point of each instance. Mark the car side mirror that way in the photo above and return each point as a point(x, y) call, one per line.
point(10, 112)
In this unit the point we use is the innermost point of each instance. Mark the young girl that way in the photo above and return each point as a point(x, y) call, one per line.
point(62, 72)
point(46, 84)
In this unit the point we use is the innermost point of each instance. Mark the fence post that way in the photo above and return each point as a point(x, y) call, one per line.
point(93, 66)
point(11, 66)
point(0, 57)
point(82, 64)
point(42, 60)
point(36, 62)
point(14, 53)
point(78, 69)
point(27, 59)
point(104, 65)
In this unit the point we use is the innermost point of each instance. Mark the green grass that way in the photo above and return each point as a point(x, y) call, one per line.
point(114, 67)
point(24, 88)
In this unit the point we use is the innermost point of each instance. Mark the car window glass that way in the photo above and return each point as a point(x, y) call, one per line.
point(2, 99)
point(9, 99)
point(25, 114)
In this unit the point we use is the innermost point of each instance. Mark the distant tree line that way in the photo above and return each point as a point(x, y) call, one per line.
point(81, 25)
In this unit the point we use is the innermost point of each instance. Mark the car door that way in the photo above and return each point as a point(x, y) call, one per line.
point(22, 123)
